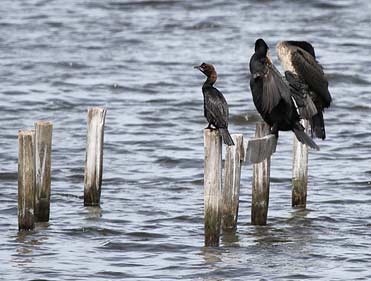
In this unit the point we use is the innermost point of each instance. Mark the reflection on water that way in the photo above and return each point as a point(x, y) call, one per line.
point(93, 213)
point(211, 255)
point(230, 238)
point(26, 247)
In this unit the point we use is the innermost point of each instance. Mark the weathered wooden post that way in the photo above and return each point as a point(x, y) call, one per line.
point(300, 171)
point(261, 180)
point(94, 156)
point(26, 181)
point(231, 187)
point(43, 147)
point(212, 186)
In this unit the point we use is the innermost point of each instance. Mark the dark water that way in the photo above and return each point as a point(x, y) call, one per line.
point(136, 57)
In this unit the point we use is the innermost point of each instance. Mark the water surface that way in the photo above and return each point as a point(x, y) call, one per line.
point(136, 58)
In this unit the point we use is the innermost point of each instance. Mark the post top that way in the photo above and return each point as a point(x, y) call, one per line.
point(25, 133)
point(97, 108)
point(211, 132)
point(43, 123)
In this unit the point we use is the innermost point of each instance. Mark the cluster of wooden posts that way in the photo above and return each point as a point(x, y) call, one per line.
point(221, 198)
point(34, 168)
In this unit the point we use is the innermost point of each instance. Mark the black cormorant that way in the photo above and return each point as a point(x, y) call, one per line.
point(306, 75)
point(272, 96)
point(215, 105)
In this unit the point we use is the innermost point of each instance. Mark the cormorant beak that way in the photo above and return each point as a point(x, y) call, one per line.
point(198, 67)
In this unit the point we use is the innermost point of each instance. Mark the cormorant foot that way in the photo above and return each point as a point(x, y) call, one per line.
point(274, 131)
point(209, 127)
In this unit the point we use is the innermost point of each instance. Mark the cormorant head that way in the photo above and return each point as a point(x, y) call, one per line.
point(261, 48)
point(304, 45)
point(208, 70)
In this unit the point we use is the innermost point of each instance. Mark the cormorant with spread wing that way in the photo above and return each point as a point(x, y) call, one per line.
point(306, 75)
point(215, 105)
point(273, 98)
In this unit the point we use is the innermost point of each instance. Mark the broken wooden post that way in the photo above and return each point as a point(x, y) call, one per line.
point(261, 180)
point(258, 149)
point(300, 171)
point(212, 186)
point(26, 181)
point(231, 187)
point(94, 156)
point(43, 147)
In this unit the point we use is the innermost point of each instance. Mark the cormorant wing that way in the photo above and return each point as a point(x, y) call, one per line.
point(300, 92)
point(217, 106)
point(274, 88)
point(311, 71)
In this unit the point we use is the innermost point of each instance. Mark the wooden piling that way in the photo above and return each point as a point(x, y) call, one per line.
point(94, 156)
point(26, 181)
point(300, 171)
point(261, 180)
point(231, 186)
point(43, 146)
point(212, 186)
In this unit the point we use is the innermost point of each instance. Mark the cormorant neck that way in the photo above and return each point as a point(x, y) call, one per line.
point(261, 54)
point(211, 79)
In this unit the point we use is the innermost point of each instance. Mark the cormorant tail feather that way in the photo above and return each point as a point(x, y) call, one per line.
point(318, 126)
point(226, 137)
point(304, 138)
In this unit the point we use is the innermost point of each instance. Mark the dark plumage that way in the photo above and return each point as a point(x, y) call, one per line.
point(306, 75)
point(272, 96)
point(215, 105)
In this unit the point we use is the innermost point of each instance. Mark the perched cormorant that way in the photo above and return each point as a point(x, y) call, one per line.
point(306, 75)
point(272, 96)
point(215, 105)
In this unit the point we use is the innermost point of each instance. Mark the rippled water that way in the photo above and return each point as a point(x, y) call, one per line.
point(136, 58)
